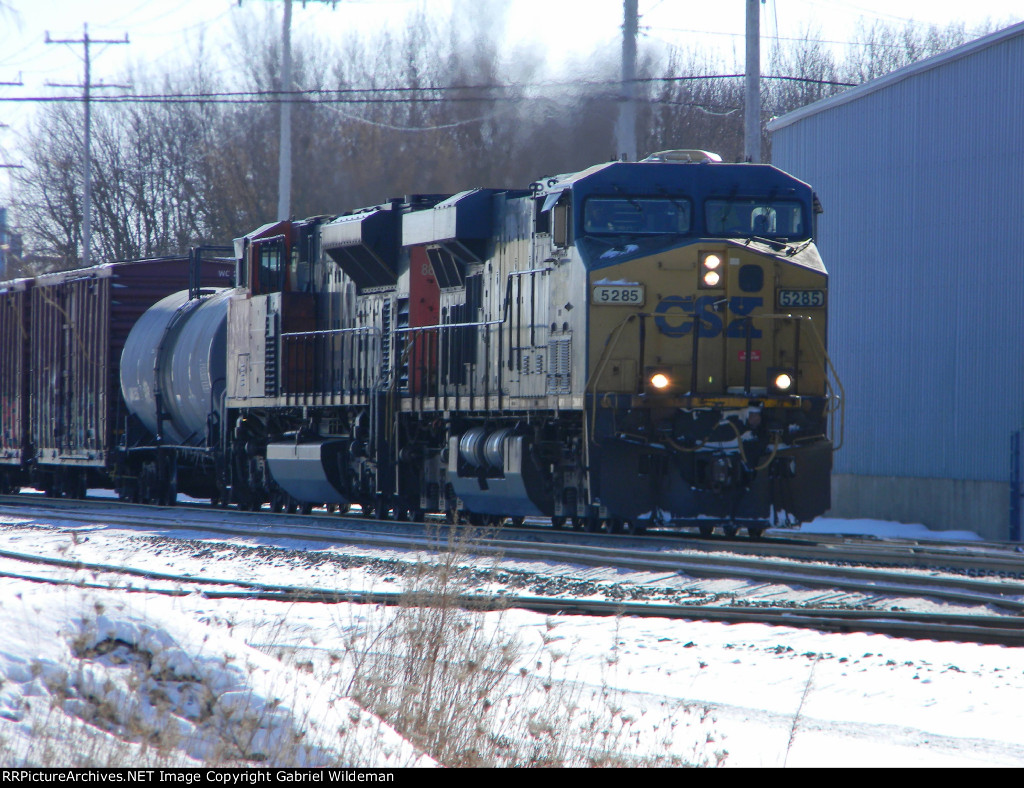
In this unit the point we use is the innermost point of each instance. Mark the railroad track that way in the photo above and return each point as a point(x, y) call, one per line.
point(975, 559)
point(982, 596)
point(999, 630)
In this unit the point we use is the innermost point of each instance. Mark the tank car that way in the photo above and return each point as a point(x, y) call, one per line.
point(633, 344)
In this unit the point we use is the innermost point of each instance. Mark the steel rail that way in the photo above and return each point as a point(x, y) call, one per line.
point(960, 590)
point(996, 630)
point(952, 589)
point(999, 559)
point(973, 591)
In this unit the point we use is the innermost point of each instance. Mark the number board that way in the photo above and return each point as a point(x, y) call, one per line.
point(801, 298)
point(622, 295)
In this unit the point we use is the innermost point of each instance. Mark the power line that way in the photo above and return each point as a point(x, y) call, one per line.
point(798, 39)
point(366, 95)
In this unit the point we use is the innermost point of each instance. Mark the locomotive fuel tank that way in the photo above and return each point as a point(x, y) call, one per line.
point(173, 366)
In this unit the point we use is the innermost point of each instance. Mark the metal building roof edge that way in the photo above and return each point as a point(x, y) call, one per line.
point(867, 88)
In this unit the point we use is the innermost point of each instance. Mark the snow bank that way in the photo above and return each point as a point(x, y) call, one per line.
point(88, 676)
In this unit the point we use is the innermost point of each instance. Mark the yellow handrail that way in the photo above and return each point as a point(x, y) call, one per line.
point(837, 404)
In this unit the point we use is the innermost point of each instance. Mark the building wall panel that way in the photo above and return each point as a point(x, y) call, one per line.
point(922, 180)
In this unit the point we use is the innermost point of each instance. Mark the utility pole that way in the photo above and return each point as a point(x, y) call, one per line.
point(87, 87)
point(752, 105)
point(625, 129)
point(17, 84)
point(284, 159)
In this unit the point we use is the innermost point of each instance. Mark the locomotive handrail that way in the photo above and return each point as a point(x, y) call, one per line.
point(824, 356)
point(373, 332)
point(479, 324)
point(602, 362)
point(353, 329)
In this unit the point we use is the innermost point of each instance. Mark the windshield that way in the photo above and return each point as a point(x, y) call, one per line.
point(765, 218)
point(636, 215)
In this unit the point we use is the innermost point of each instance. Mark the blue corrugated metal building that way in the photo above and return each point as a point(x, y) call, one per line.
point(921, 174)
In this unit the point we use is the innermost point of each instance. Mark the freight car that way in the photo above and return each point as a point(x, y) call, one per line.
point(62, 419)
point(14, 383)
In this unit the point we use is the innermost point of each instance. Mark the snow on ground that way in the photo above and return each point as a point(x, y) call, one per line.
point(881, 529)
point(224, 678)
point(149, 670)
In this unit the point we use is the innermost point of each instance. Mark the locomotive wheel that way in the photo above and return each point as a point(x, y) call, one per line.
point(614, 525)
point(730, 530)
point(558, 522)
point(755, 531)
point(591, 524)
point(76, 485)
point(418, 515)
point(517, 522)
point(292, 506)
point(578, 523)
point(305, 507)
point(634, 527)
point(276, 502)
point(343, 509)
point(705, 530)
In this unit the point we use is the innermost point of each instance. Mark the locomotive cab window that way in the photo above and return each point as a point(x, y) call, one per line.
point(766, 218)
point(561, 231)
point(542, 216)
point(270, 267)
point(636, 216)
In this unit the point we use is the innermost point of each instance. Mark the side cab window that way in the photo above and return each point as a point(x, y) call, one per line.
point(268, 265)
point(561, 221)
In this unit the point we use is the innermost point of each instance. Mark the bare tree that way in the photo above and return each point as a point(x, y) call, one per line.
point(435, 107)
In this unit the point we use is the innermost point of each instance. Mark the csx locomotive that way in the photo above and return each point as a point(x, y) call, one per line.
point(633, 344)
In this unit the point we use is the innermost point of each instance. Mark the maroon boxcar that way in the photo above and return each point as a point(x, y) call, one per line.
point(14, 365)
point(79, 323)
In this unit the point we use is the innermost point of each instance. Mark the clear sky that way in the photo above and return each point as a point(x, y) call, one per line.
point(158, 29)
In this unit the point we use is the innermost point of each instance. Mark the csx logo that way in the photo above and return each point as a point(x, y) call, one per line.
point(674, 315)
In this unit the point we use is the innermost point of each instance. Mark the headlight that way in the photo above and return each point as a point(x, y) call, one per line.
point(711, 270)
point(660, 381)
point(782, 380)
